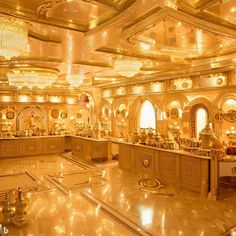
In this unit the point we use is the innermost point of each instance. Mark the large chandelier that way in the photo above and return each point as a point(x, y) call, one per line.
point(75, 80)
point(127, 67)
point(40, 78)
point(13, 37)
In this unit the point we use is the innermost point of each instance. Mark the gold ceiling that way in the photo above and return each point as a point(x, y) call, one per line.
point(171, 38)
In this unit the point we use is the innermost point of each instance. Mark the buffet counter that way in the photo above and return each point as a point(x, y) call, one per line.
point(178, 167)
point(30, 146)
point(90, 148)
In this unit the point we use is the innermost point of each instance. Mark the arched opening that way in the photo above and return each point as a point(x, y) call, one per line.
point(147, 116)
point(201, 120)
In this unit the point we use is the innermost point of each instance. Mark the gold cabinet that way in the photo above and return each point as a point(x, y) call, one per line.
point(125, 159)
point(99, 150)
point(144, 160)
point(190, 171)
point(187, 171)
point(166, 165)
point(78, 147)
point(89, 148)
point(31, 146)
point(194, 174)
point(10, 148)
point(54, 145)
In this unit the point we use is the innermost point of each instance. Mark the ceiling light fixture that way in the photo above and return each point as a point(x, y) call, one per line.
point(40, 78)
point(75, 80)
point(127, 67)
point(13, 37)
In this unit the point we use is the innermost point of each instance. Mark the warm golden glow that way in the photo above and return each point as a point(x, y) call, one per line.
point(201, 120)
point(147, 116)
point(13, 37)
point(127, 67)
point(75, 80)
point(31, 78)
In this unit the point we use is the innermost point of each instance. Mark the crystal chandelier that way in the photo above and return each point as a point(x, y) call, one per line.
point(13, 37)
point(127, 67)
point(171, 3)
point(75, 80)
point(31, 78)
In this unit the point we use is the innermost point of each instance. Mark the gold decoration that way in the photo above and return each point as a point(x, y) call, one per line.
point(30, 78)
point(127, 67)
point(13, 37)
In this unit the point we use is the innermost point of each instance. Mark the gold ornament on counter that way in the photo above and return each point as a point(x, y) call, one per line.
point(63, 115)
point(55, 113)
point(10, 115)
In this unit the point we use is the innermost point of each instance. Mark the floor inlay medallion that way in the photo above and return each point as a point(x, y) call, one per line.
point(150, 185)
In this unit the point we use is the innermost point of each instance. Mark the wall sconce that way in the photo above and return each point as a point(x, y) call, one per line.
point(71, 100)
point(23, 98)
point(55, 99)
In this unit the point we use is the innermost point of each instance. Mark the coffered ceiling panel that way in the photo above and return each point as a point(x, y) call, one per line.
point(85, 37)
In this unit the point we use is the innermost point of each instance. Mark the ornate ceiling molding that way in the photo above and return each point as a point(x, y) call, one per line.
point(128, 53)
point(152, 19)
point(47, 7)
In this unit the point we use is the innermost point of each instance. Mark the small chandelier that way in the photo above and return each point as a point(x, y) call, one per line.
point(127, 67)
point(13, 37)
point(31, 78)
point(75, 80)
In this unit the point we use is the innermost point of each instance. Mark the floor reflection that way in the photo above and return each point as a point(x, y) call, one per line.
point(118, 206)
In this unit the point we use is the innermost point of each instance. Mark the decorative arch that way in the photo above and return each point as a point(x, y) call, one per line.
point(221, 98)
point(193, 117)
point(147, 115)
point(87, 102)
point(27, 111)
point(135, 108)
point(180, 98)
point(119, 119)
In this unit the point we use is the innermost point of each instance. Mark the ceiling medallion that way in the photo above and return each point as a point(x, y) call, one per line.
point(127, 67)
point(47, 7)
point(13, 37)
point(40, 78)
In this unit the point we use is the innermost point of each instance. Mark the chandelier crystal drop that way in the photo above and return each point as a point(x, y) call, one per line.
point(127, 67)
point(75, 80)
point(30, 79)
point(13, 37)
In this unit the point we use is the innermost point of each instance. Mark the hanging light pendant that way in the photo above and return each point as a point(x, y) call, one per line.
point(40, 78)
point(13, 37)
point(127, 67)
point(75, 80)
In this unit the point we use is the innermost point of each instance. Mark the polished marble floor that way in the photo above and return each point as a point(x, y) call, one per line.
point(116, 207)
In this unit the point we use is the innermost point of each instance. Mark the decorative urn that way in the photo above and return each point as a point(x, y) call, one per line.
point(135, 136)
point(150, 134)
point(143, 136)
point(206, 136)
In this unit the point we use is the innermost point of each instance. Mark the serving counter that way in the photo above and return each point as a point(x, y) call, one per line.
point(30, 146)
point(90, 148)
point(184, 169)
